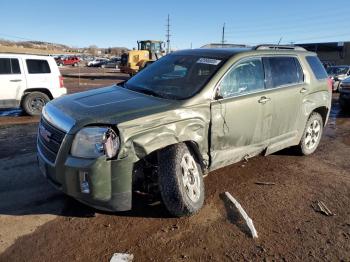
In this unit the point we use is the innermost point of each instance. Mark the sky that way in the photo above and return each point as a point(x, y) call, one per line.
point(108, 23)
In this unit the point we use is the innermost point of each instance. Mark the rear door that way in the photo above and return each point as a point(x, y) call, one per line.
point(286, 89)
point(12, 81)
point(240, 116)
point(39, 74)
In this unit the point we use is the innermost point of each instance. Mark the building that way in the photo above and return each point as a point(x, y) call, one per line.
point(332, 53)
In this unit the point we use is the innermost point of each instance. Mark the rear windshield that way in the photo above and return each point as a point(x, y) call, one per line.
point(175, 76)
point(317, 67)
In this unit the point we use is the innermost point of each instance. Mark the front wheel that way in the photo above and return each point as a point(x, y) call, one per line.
point(180, 180)
point(312, 134)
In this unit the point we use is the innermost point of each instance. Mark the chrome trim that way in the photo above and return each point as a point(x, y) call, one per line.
point(57, 118)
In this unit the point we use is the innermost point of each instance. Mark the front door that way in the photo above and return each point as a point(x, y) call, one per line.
point(240, 115)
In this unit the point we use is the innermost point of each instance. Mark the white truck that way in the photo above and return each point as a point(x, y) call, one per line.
point(29, 81)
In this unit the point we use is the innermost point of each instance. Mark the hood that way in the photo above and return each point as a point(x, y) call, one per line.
point(346, 80)
point(109, 105)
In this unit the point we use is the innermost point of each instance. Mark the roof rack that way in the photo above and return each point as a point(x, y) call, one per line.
point(279, 47)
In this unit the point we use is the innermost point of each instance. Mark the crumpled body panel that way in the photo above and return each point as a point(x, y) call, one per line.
point(145, 135)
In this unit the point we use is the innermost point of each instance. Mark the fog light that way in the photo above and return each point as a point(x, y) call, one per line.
point(84, 183)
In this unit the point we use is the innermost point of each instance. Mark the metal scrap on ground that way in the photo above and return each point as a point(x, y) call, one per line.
point(265, 183)
point(321, 207)
point(121, 257)
point(247, 219)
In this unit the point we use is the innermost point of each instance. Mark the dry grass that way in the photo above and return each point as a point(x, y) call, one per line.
point(14, 49)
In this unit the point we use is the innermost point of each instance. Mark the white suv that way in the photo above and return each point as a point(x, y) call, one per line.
point(29, 81)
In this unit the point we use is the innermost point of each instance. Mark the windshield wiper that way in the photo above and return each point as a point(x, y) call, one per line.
point(148, 92)
point(143, 90)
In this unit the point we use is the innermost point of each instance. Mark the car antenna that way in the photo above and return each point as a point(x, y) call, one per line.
point(279, 40)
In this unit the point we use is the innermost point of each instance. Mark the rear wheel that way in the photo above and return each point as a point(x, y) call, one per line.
point(312, 134)
point(180, 180)
point(34, 102)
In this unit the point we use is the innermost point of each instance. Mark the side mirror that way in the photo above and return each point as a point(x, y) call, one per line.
point(218, 94)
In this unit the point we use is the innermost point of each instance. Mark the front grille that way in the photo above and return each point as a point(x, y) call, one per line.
point(49, 140)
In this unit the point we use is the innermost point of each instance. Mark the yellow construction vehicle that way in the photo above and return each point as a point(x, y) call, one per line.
point(147, 52)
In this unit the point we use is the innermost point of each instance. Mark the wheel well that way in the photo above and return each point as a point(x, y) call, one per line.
point(195, 149)
point(323, 111)
point(42, 90)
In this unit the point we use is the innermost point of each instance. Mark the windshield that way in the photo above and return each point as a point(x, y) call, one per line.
point(175, 76)
point(337, 70)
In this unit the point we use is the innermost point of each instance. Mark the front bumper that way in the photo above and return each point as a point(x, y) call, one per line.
point(110, 181)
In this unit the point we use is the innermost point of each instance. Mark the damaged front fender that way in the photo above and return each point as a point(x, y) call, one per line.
point(145, 135)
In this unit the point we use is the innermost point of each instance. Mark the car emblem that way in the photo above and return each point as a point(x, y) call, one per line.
point(44, 133)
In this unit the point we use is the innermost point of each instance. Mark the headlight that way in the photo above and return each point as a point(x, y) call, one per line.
point(92, 142)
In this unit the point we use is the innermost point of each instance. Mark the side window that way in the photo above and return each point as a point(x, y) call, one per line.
point(300, 73)
point(245, 77)
point(15, 66)
point(9, 66)
point(283, 71)
point(5, 66)
point(38, 66)
point(317, 67)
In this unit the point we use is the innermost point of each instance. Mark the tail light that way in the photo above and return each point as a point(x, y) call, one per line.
point(330, 84)
point(61, 81)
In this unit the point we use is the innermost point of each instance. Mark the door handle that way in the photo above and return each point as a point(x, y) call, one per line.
point(264, 99)
point(16, 80)
point(303, 90)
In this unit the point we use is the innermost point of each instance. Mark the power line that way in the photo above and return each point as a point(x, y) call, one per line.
point(294, 41)
point(320, 37)
point(17, 37)
point(263, 21)
point(293, 27)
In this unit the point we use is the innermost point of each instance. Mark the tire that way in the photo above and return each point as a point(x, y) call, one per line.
point(34, 102)
point(182, 192)
point(312, 134)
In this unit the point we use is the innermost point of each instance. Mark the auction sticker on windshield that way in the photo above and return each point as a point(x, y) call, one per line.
point(208, 61)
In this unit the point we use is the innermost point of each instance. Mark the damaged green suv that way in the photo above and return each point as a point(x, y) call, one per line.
point(187, 114)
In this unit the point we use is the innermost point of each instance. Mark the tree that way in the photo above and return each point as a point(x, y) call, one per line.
point(93, 49)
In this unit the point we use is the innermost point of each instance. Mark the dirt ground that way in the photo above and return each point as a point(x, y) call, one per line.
point(38, 223)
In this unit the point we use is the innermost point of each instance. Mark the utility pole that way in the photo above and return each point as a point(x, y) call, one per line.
point(223, 36)
point(168, 35)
